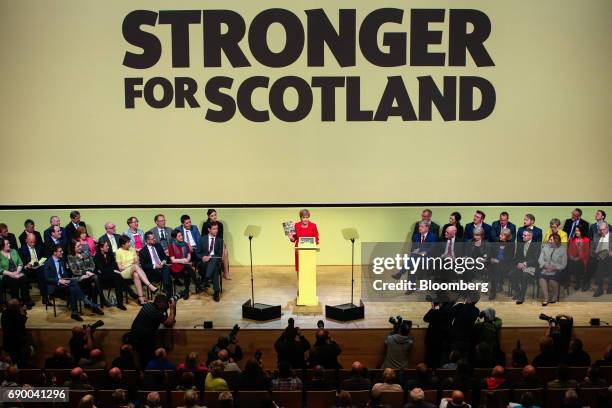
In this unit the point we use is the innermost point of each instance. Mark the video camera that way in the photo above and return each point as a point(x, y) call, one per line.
point(94, 325)
point(233, 333)
point(398, 322)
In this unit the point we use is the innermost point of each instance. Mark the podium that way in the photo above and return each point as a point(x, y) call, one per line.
point(307, 253)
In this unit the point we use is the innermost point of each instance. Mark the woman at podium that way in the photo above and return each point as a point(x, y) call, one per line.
point(303, 228)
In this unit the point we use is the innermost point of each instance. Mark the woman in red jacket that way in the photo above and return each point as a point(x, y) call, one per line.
point(303, 228)
point(578, 258)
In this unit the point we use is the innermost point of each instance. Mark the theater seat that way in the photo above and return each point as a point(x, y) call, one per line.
point(538, 395)
point(555, 397)
point(395, 399)
point(76, 395)
point(323, 399)
point(594, 397)
point(211, 399)
point(360, 398)
point(288, 399)
point(251, 398)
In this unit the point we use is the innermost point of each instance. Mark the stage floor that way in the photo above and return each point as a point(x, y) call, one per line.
point(278, 285)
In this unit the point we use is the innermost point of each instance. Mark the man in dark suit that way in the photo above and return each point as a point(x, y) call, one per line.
point(478, 221)
point(601, 255)
point(10, 237)
point(209, 253)
point(31, 254)
point(529, 224)
point(576, 221)
point(433, 227)
point(30, 229)
point(60, 284)
point(600, 215)
point(71, 227)
point(161, 233)
point(498, 226)
point(55, 239)
point(525, 263)
point(423, 244)
point(110, 236)
point(153, 262)
point(53, 221)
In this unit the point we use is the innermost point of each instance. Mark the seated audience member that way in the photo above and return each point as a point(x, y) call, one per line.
point(547, 357)
point(81, 342)
point(108, 272)
point(59, 284)
point(600, 215)
point(70, 230)
point(526, 401)
point(318, 382)
point(126, 359)
point(562, 380)
point(416, 399)
point(135, 234)
point(453, 358)
point(524, 265)
point(87, 401)
point(423, 378)
point(478, 221)
point(529, 379)
point(503, 223)
point(502, 257)
point(497, 379)
point(286, 380)
point(456, 400)
point(114, 379)
point(577, 357)
point(325, 351)
point(78, 380)
point(31, 254)
point(345, 400)
point(190, 232)
point(13, 276)
point(253, 377)
point(180, 257)
point(601, 256)
point(30, 229)
point(61, 359)
point(455, 221)
point(161, 233)
point(578, 254)
point(208, 256)
point(193, 364)
point(376, 400)
point(397, 349)
point(82, 265)
point(187, 381)
point(55, 239)
point(228, 364)
point(358, 379)
point(224, 342)
point(11, 378)
point(291, 346)
point(576, 221)
point(153, 400)
point(554, 228)
point(483, 356)
point(529, 224)
point(213, 217)
point(519, 357)
point(191, 399)
point(54, 221)
point(570, 400)
point(463, 379)
point(15, 336)
point(593, 378)
point(388, 382)
point(160, 361)
point(226, 400)
point(153, 262)
point(86, 241)
point(426, 217)
point(120, 399)
point(110, 236)
point(214, 379)
point(127, 261)
point(552, 262)
point(8, 236)
point(96, 360)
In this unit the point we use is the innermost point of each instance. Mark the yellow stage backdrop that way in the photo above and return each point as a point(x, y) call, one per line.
point(68, 138)
point(271, 247)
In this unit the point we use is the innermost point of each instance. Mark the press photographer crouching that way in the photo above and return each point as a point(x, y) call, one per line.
point(398, 344)
point(81, 341)
point(229, 343)
point(145, 326)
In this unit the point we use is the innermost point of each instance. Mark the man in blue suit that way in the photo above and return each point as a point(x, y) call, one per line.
point(190, 232)
point(60, 284)
point(423, 244)
point(479, 217)
point(529, 224)
point(498, 226)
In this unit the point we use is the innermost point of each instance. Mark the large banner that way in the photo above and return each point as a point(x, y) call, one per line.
point(253, 102)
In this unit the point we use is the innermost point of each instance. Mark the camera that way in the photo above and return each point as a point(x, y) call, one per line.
point(398, 322)
point(547, 318)
point(234, 333)
point(320, 324)
point(94, 325)
point(174, 298)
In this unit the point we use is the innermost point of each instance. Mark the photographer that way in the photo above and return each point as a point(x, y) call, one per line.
point(14, 332)
point(325, 351)
point(437, 334)
point(560, 330)
point(229, 343)
point(81, 342)
point(291, 346)
point(398, 345)
point(146, 325)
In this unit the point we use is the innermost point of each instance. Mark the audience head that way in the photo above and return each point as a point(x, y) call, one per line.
point(318, 372)
point(5, 245)
point(13, 304)
point(554, 225)
point(75, 216)
point(190, 399)
point(115, 374)
point(54, 221)
point(186, 221)
point(505, 235)
point(12, 373)
point(251, 367)
point(594, 372)
point(110, 228)
point(375, 398)
point(554, 240)
point(160, 220)
point(226, 400)
point(479, 217)
point(56, 232)
point(223, 355)
point(192, 360)
point(75, 247)
point(457, 398)
point(417, 395)
point(600, 215)
point(132, 222)
point(160, 353)
point(603, 228)
point(30, 240)
point(478, 233)
point(87, 402)
point(423, 227)
point(149, 238)
point(576, 214)
point(527, 235)
point(188, 379)
point(211, 214)
point(126, 351)
point(450, 232)
point(345, 400)
point(528, 371)
point(119, 397)
point(422, 370)
point(426, 215)
point(124, 242)
point(498, 372)
point(96, 355)
point(529, 220)
point(571, 397)
point(546, 343)
point(3, 230)
point(388, 376)
point(61, 352)
point(153, 400)
point(213, 228)
point(455, 218)
point(357, 368)
point(216, 368)
point(75, 373)
point(177, 235)
point(81, 233)
point(503, 217)
point(575, 345)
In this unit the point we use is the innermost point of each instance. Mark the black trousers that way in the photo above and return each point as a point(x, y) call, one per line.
point(211, 270)
point(73, 293)
point(603, 272)
point(160, 275)
point(91, 287)
point(187, 274)
point(19, 288)
point(520, 280)
point(114, 279)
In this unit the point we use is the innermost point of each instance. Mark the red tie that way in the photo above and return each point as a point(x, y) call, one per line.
point(422, 238)
point(448, 248)
point(212, 245)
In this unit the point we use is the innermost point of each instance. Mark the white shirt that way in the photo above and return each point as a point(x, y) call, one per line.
point(210, 238)
point(189, 238)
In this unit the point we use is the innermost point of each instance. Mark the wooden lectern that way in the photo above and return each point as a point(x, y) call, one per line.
point(307, 252)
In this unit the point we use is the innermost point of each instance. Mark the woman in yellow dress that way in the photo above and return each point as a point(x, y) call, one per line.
point(127, 261)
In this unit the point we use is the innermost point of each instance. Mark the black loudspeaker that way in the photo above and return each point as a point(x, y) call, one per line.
point(345, 312)
point(260, 312)
point(595, 321)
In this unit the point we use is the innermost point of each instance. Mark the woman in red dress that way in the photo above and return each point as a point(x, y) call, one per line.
point(578, 258)
point(303, 228)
